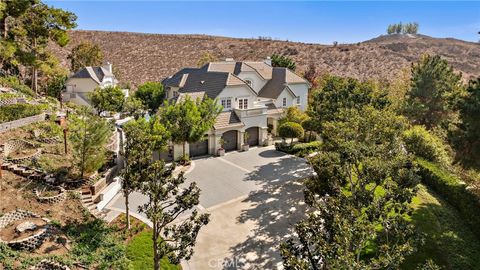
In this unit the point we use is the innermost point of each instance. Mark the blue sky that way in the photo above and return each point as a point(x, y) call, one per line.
point(311, 21)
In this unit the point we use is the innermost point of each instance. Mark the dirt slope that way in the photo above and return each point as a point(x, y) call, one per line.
point(152, 57)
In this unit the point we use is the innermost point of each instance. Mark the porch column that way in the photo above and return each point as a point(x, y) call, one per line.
point(263, 136)
point(240, 140)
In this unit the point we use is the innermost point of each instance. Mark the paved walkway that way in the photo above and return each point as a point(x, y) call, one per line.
point(254, 199)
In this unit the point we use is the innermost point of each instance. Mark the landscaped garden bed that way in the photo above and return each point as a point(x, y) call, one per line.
point(139, 245)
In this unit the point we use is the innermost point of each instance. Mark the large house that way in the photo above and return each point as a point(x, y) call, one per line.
point(84, 81)
point(253, 96)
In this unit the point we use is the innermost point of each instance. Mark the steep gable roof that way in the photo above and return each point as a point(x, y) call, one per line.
point(213, 77)
point(281, 78)
point(95, 73)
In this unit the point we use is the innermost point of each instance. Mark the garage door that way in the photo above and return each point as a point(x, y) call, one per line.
point(199, 148)
point(252, 136)
point(230, 138)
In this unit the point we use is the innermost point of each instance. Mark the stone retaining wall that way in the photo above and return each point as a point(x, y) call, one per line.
point(49, 265)
point(31, 242)
point(53, 199)
point(14, 216)
point(21, 122)
point(14, 145)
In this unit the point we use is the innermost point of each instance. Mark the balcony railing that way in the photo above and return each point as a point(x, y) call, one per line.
point(251, 112)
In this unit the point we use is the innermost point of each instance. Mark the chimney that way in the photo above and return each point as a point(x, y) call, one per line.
point(268, 61)
point(108, 67)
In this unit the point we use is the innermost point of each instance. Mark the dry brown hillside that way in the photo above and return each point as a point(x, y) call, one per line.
point(152, 57)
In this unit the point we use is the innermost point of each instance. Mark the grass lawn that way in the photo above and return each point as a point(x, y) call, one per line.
point(448, 241)
point(140, 253)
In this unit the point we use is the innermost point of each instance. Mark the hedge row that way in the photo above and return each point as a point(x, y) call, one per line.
point(17, 111)
point(453, 191)
point(299, 149)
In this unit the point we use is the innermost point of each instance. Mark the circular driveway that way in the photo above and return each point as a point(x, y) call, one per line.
point(254, 199)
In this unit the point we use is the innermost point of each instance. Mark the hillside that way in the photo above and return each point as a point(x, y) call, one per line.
point(151, 57)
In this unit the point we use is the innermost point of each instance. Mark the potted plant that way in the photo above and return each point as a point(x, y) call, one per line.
point(221, 150)
point(245, 145)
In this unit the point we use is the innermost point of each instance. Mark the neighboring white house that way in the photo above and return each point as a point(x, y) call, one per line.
point(84, 81)
point(253, 96)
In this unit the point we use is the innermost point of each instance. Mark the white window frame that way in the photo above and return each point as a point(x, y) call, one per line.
point(284, 102)
point(243, 103)
point(226, 103)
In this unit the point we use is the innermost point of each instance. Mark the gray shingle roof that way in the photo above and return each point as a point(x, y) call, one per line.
point(213, 77)
point(95, 73)
point(177, 77)
point(274, 87)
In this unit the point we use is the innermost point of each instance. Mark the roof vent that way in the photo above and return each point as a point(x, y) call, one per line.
point(202, 82)
point(229, 60)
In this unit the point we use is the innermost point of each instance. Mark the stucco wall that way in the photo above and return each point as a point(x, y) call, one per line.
point(237, 92)
point(256, 80)
point(82, 85)
point(301, 90)
point(291, 100)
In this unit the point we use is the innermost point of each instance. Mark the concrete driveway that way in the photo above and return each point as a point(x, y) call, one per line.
point(254, 199)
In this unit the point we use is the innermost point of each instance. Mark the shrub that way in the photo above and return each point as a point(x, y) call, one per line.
point(290, 130)
point(13, 82)
point(293, 114)
point(453, 191)
point(299, 149)
point(17, 111)
point(422, 143)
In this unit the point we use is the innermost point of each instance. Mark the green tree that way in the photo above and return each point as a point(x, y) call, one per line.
point(107, 99)
point(434, 85)
point(290, 130)
point(134, 106)
point(358, 198)
point(425, 144)
point(151, 94)
point(85, 54)
point(142, 138)
point(55, 85)
point(205, 59)
point(189, 119)
point(337, 93)
point(293, 114)
point(466, 139)
point(391, 29)
point(397, 90)
point(399, 28)
point(166, 202)
point(283, 61)
point(310, 126)
point(410, 28)
point(34, 29)
point(88, 134)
